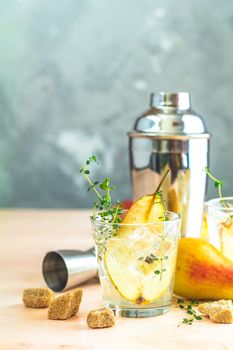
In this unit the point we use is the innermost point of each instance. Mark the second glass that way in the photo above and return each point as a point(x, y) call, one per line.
point(136, 264)
point(220, 224)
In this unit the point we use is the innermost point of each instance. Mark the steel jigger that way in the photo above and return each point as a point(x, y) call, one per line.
point(64, 269)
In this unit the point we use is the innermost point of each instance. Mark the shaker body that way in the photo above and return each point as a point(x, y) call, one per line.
point(184, 188)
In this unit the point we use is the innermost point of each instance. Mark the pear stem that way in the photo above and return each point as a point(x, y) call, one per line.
point(161, 182)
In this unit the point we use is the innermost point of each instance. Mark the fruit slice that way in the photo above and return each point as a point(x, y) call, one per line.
point(135, 279)
point(147, 209)
point(137, 260)
point(226, 238)
point(204, 232)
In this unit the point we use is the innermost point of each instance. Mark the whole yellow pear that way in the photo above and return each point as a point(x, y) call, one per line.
point(202, 271)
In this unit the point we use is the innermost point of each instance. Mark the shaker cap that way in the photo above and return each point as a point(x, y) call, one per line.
point(181, 100)
point(170, 115)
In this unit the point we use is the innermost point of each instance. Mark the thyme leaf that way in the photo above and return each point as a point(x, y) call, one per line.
point(192, 314)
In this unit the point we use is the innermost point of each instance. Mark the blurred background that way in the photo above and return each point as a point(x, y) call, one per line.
point(75, 74)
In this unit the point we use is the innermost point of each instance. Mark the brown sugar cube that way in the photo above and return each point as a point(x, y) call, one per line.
point(65, 306)
point(75, 302)
point(221, 316)
point(205, 308)
point(100, 318)
point(218, 311)
point(38, 297)
point(59, 308)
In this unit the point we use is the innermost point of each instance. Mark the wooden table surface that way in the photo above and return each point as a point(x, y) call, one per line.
point(26, 235)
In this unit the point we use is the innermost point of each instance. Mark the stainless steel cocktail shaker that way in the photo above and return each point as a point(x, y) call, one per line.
point(170, 135)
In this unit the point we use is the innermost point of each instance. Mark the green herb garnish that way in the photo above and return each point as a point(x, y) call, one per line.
point(151, 258)
point(230, 218)
point(218, 184)
point(107, 211)
point(162, 269)
point(192, 314)
point(103, 209)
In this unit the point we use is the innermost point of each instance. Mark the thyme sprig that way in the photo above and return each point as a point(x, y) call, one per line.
point(107, 211)
point(103, 209)
point(151, 258)
point(218, 184)
point(192, 314)
point(161, 269)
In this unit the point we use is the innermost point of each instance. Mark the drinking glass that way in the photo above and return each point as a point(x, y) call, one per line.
point(136, 264)
point(220, 224)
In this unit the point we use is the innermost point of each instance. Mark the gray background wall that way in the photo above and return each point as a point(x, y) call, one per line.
point(74, 74)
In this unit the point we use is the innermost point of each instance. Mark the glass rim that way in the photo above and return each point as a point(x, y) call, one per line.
point(177, 217)
point(211, 203)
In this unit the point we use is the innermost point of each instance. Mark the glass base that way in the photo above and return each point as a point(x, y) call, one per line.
point(136, 313)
